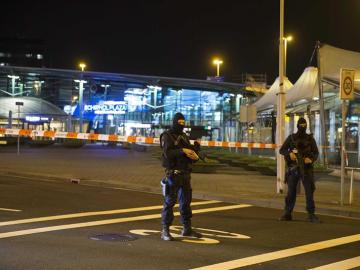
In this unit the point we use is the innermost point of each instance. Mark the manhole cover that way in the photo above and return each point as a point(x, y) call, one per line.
point(113, 237)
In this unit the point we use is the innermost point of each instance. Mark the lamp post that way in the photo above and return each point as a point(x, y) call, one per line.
point(18, 103)
point(81, 91)
point(105, 116)
point(217, 62)
point(280, 117)
point(81, 82)
point(286, 40)
point(237, 111)
point(13, 78)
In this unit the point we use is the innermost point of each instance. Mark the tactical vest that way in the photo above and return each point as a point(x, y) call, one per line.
point(177, 142)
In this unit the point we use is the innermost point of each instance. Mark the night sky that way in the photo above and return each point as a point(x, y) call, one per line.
point(180, 38)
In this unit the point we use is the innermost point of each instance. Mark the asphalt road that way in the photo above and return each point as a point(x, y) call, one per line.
point(54, 225)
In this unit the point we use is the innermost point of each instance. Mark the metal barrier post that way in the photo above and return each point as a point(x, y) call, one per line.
point(351, 187)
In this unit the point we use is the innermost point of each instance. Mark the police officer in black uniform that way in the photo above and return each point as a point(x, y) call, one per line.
point(300, 152)
point(178, 156)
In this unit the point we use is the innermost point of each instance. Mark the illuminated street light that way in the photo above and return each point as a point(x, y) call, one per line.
point(286, 40)
point(82, 66)
point(217, 62)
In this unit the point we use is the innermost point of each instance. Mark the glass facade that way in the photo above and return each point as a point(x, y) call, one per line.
point(266, 124)
point(130, 104)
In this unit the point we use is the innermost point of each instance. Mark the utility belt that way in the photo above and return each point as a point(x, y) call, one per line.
point(168, 180)
point(293, 169)
point(174, 172)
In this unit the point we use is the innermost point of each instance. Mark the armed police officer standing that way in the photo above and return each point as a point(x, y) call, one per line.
point(178, 156)
point(300, 152)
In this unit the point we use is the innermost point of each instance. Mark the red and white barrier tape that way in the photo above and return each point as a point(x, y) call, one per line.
point(117, 138)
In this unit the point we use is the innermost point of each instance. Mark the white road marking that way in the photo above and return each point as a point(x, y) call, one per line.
point(111, 221)
point(195, 240)
point(342, 265)
point(11, 210)
point(220, 234)
point(266, 257)
point(202, 240)
point(97, 213)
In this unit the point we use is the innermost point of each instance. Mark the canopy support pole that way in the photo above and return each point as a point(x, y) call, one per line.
point(322, 109)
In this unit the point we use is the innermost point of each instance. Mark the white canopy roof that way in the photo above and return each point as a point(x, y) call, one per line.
point(306, 87)
point(333, 58)
point(32, 106)
point(270, 98)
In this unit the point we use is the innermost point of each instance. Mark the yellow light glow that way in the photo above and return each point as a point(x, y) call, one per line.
point(82, 66)
point(217, 62)
point(289, 38)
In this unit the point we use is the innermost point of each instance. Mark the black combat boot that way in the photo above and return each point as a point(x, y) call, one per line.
point(313, 218)
point(165, 233)
point(188, 231)
point(286, 217)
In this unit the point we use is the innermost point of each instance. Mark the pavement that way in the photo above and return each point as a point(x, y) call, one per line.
point(102, 165)
point(52, 225)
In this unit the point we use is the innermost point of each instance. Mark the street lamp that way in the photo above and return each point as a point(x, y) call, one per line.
point(81, 91)
point(217, 62)
point(280, 114)
point(286, 40)
point(18, 103)
point(105, 97)
point(82, 66)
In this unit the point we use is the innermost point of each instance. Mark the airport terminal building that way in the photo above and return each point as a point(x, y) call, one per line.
point(123, 104)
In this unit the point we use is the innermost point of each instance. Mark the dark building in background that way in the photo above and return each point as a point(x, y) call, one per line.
point(22, 52)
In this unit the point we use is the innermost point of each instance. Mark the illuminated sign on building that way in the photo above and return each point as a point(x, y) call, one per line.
point(30, 118)
point(107, 107)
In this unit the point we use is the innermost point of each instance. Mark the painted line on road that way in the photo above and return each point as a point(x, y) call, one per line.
point(266, 257)
point(96, 213)
point(112, 221)
point(342, 265)
point(11, 210)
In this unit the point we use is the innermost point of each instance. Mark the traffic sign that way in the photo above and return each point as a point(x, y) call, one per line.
point(347, 84)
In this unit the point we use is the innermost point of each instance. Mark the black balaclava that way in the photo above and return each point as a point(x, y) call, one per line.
point(178, 128)
point(302, 126)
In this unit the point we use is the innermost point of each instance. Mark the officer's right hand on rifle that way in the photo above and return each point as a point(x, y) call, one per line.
point(292, 156)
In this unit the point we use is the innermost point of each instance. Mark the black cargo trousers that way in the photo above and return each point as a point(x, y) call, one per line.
point(179, 188)
point(307, 179)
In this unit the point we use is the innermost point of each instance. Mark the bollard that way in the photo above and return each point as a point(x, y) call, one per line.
point(351, 187)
